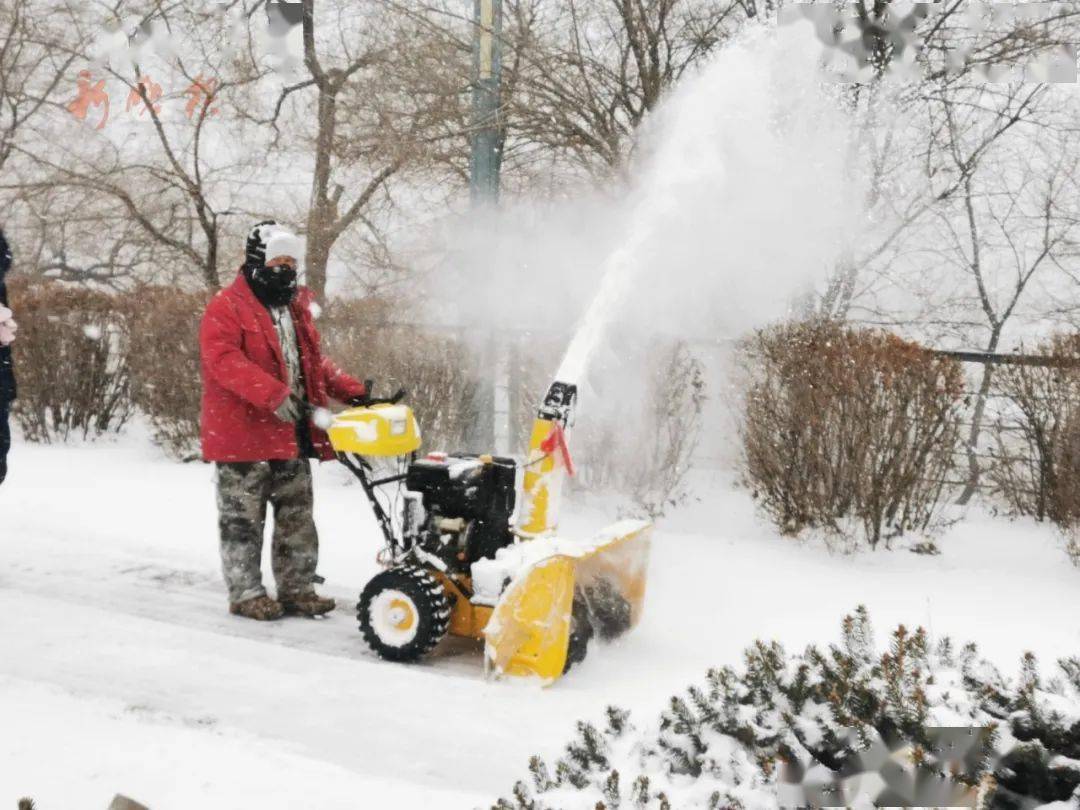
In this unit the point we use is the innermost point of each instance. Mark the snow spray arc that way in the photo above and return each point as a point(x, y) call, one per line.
point(742, 200)
point(738, 200)
point(728, 143)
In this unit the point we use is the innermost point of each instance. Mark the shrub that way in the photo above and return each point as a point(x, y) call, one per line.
point(1063, 479)
point(641, 446)
point(847, 426)
point(71, 362)
point(800, 724)
point(1034, 459)
point(163, 326)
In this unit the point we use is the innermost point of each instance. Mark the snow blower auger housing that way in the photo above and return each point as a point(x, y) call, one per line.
point(457, 562)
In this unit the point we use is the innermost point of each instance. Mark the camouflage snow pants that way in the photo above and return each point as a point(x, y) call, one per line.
point(243, 492)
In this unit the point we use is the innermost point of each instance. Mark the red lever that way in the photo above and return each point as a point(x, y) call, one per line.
point(555, 444)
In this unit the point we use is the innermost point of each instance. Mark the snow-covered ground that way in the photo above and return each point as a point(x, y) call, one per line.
point(121, 671)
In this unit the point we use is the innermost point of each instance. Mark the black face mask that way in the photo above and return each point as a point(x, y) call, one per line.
point(273, 286)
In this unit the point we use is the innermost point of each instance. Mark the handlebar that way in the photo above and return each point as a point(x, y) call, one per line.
point(367, 400)
point(391, 400)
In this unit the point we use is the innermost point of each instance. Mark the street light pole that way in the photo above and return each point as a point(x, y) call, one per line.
point(484, 168)
point(486, 155)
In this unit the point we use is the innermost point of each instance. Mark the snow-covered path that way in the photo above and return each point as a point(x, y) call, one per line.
point(120, 670)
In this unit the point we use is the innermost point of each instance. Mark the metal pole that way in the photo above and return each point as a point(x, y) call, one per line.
point(486, 159)
point(484, 167)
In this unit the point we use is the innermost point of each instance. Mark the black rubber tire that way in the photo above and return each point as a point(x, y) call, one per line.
point(581, 632)
point(609, 612)
point(429, 600)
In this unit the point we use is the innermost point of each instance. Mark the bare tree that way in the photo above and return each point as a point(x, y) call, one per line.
point(172, 176)
point(32, 67)
point(958, 39)
point(1012, 228)
point(378, 111)
point(954, 56)
point(581, 76)
point(990, 256)
point(914, 173)
point(75, 235)
point(389, 106)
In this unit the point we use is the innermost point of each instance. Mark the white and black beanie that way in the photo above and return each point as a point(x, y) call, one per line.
point(269, 239)
point(255, 253)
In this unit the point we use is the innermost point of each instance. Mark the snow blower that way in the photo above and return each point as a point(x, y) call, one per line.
point(465, 555)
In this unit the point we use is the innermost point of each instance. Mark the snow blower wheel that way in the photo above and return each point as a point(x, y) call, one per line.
point(581, 633)
point(609, 613)
point(403, 613)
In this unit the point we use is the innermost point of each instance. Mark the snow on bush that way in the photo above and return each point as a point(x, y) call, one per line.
point(791, 722)
point(71, 359)
point(87, 359)
point(849, 431)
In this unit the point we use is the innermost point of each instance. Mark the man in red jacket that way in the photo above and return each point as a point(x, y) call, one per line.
point(263, 373)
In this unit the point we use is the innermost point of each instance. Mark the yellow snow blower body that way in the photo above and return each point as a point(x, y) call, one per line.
point(531, 631)
point(459, 562)
point(377, 431)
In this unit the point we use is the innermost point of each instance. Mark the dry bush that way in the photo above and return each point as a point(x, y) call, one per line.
point(846, 428)
point(641, 446)
point(1034, 447)
point(148, 358)
point(1036, 468)
point(1063, 501)
point(163, 325)
point(673, 428)
point(435, 366)
point(71, 361)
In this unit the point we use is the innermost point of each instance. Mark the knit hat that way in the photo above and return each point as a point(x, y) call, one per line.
point(255, 254)
point(268, 240)
point(284, 243)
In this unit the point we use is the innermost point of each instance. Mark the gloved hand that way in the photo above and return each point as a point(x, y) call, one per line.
point(364, 399)
point(291, 409)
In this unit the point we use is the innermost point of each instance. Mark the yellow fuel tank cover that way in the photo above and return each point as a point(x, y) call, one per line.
point(378, 430)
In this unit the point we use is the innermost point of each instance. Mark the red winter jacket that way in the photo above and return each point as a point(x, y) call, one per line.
point(244, 378)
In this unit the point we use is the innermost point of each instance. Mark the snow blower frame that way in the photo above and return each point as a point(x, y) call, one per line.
point(465, 555)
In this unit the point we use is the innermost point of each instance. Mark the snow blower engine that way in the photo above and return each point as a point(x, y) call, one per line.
point(465, 555)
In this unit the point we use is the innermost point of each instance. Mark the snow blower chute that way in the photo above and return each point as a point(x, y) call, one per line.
point(465, 555)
